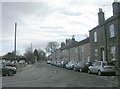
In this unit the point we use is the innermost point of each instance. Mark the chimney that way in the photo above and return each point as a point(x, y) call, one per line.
point(116, 8)
point(73, 39)
point(62, 44)
point(67, 41)
point(101, 17)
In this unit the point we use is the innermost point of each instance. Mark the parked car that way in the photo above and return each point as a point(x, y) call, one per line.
point(70, 65)
point(7, 70)
point(63, 63)
point(10, 63)
point(48, 61)
point(53, 63)
point(77, 66)
point(22, 62)
point(58, 63)
point(82, 66)
point(101, 67)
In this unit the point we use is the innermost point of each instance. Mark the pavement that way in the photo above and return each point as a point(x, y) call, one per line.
point(24, 67)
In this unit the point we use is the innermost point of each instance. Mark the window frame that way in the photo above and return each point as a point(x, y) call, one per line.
point(95, 36)
point(112, 30)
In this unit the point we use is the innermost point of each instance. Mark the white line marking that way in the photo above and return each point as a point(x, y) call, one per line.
point(100, 77)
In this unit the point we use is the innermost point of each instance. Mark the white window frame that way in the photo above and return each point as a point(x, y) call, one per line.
point(113, 50)
point(76, 50)
point(112, 31)
point(82, 48)
point(96, 52)
point(95, 36)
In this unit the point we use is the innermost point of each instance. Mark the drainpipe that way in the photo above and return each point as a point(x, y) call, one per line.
point(106, 42)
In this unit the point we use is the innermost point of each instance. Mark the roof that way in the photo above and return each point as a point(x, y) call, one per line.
point(76, 44)
point(106, 21)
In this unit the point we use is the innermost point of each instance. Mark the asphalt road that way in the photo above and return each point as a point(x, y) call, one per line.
point(46, 75)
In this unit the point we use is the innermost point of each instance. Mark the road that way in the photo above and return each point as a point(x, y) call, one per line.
point(46, 75)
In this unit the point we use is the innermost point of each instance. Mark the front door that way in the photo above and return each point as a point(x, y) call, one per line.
point(102, 54)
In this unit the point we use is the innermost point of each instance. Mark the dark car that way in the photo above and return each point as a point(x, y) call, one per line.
point(63, 63)
point(48, 61)
point(82, 66)
point(70, 65)
point(10, 63)
point(53, 63)
point(7, 70)
point(58, 63)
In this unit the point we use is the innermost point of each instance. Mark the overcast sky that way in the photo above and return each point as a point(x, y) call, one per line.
point(42, 21)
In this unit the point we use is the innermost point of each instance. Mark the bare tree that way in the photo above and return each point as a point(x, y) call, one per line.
point(39, 54)
point(29, 55)
point(52, 46)
point(42, 55)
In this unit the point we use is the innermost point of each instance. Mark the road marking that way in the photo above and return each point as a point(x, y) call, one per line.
point(55, 72)
point(39, 79)
point(33, 66)
point(19, 82)
point(26, 80)
point(101, 77)
point(109, 80)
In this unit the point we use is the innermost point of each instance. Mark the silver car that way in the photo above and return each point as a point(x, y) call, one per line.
point(101, 67)
point(70, 65)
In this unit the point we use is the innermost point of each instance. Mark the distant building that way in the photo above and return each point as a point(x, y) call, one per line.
point(84, 50)
point(73, 51)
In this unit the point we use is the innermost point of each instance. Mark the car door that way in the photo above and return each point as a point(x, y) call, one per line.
point(94, 67)
point(97, 66)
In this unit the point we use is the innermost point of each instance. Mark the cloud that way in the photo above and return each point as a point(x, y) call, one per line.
point(42, 21)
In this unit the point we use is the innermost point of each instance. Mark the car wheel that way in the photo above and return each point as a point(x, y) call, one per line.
point(80, 69)
point(114, 73)
point(10, 73)
point(89, 71)
point(99, 73)
point(3, 74)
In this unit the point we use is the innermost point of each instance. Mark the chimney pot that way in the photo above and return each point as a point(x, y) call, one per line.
point(116, 8)
point(100, 9)
point(101, 17)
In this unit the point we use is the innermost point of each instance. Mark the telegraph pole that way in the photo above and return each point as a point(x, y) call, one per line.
point(31, 48)
point(15, 39)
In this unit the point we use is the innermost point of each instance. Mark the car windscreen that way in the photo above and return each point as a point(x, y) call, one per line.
point(108, 64)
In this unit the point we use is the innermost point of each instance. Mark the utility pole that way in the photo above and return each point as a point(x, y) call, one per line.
point(15, 39)
point(31, 48)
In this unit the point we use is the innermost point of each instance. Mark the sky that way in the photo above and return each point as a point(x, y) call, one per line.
point(43, 21)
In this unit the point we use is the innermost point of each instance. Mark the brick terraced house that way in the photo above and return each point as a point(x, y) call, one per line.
point(102, 44)
point(105, 38)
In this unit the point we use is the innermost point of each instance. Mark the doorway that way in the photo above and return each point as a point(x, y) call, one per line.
point(102, 54)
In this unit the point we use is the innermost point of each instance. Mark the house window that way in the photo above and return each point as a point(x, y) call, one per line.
point(82, 49)
point(96, 52)
point(65, 52)
point(112, 31)
point(95, 36)
point(113, 50)
point(76, 50)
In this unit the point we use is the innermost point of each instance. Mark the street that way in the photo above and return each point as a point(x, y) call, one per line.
point(46, 75)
